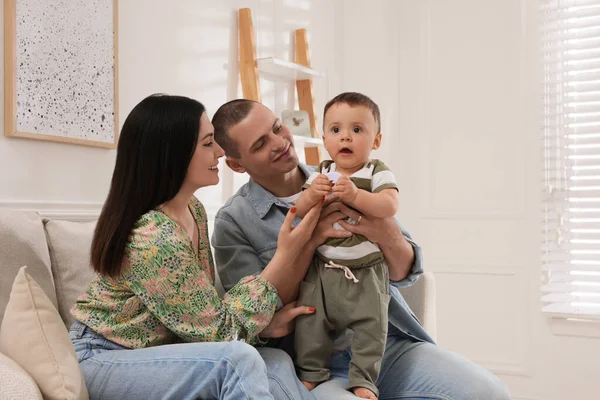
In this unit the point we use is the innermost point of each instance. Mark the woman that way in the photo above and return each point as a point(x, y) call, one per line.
point(151, 325)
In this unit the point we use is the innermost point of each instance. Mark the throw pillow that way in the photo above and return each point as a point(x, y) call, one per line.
point(33, 335)
point(15, 383)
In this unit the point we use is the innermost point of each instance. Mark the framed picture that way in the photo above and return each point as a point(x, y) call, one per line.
point(61, 78)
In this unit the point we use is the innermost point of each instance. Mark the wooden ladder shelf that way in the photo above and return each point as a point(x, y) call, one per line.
point(300, 71)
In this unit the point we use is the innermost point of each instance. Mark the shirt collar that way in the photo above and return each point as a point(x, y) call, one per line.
point(262, 200)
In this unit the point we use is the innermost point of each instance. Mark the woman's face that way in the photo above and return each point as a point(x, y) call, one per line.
point(203, 170)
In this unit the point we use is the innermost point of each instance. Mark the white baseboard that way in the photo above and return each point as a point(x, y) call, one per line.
point(66, 210)
point(74, 210)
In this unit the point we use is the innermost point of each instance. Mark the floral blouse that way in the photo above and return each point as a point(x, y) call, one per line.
point(166, 293)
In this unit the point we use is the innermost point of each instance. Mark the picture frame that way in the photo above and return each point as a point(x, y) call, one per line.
point(61, 71)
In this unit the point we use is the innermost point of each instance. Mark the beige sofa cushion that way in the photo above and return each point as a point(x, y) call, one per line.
point(69, 244)
point(15, 383)
point(23, 242)
point(34, 336)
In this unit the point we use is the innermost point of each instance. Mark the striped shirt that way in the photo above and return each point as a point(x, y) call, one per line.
point(356, 250)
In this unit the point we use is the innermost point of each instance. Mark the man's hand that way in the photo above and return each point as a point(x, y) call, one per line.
point(324, 230)
point(398, 252)
point(377, 230)
point(345, 190)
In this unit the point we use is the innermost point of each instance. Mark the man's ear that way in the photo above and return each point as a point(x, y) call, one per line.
point(234, 165)
point(377, 141)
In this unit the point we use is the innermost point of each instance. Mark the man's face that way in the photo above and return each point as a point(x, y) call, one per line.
point(265, 145)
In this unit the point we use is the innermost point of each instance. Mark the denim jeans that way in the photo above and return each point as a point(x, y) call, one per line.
point(225, 370)
point(417, 371)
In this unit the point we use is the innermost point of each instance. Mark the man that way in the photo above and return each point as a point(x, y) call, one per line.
point(245, 238)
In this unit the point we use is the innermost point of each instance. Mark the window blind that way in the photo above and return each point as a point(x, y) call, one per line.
point(570, 51)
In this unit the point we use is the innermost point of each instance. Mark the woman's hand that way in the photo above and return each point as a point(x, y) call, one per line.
point(282, 323)
point(291, 241)
point(291, 260)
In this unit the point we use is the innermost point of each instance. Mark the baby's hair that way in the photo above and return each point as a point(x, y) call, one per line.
point(356, 99)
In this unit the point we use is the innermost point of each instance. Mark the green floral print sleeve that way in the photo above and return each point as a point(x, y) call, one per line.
point(166, 292)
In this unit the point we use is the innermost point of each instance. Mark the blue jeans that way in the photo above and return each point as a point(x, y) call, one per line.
point(225, 370)
point(416, 371)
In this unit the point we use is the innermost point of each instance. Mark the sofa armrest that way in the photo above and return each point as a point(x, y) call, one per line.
point(15, 383)
point(421, 298)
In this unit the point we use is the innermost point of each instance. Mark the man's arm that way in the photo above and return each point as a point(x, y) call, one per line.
point(398, 252)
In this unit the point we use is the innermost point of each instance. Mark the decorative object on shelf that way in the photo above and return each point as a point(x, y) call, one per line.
point(61, 71)
point(297, 122)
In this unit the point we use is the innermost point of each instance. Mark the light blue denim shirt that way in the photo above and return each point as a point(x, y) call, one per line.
point(245, 240)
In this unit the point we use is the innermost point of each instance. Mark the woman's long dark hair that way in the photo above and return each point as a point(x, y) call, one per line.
point(155, 148)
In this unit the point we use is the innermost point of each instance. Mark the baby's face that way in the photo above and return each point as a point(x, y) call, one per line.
point(350, 133)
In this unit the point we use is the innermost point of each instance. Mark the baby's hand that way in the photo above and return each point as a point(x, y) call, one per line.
point(345, 190)
point(319, 188)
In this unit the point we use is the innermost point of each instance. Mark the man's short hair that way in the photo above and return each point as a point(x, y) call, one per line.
point(228, 115)
point(355, 99)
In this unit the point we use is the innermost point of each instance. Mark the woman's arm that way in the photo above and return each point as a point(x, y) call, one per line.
point(177, 291)
point(236, 257)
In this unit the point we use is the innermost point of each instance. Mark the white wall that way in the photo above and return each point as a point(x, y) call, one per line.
point(187, 47)
point(457, 85)
point(468, 157)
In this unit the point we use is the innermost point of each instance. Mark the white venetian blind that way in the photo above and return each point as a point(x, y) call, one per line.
point(570, 50)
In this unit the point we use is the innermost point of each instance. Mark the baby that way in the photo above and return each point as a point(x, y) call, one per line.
point(348, 279)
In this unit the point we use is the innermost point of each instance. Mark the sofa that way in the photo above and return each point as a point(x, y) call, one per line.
point(35, 358)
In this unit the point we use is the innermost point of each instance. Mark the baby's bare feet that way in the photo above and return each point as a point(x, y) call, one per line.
point(364, 393)
point(309, 385)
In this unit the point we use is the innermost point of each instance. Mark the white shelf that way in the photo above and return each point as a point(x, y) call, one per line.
point(286, 70)
point(307, 142)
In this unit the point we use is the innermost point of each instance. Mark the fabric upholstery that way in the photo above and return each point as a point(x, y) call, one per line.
point(23, 242)
point(69, 245)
